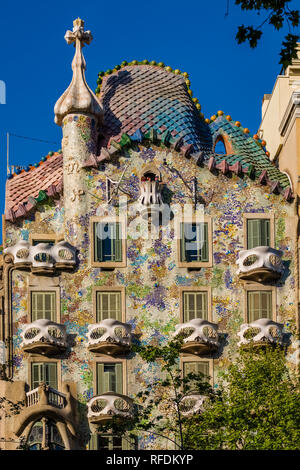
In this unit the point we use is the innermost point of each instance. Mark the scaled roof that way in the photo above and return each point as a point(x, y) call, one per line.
point(150, 102)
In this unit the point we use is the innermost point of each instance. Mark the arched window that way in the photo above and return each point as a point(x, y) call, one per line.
point(44, 435)
point(220, 147)
point(149, 176)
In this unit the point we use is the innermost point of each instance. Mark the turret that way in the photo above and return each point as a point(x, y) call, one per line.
point(79, 113)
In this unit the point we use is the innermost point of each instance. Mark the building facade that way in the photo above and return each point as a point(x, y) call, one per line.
point(150, 220)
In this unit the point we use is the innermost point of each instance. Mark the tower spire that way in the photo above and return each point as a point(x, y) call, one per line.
point(78, 98)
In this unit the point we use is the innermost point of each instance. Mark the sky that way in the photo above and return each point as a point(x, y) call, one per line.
point(195, 36)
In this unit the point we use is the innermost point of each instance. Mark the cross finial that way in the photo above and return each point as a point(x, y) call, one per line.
point(78, 35)
point(78, 97)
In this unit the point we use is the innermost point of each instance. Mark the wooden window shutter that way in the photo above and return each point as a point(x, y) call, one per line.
point(36, 374)
point(265, 232)
point(204, 241)
point(118, 242)
point(43, 306)
point(182, 243)
point(100, 378)
point(50, 374)
point(119, 377)
point(202, 368)
point(253, 233)
point(98, 252)
point(128, 443)
point(109, 306)
point(93, 442)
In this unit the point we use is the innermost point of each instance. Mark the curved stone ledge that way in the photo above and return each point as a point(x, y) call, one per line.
point(261, 333)
point(103, 408)
point(43, 257)
point(200, 336)
point(110, 337)
point(44, 337)
point(261, 264)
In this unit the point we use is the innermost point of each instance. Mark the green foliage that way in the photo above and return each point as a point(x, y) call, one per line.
point(159, 405)
point(255, 408)
point(277, 14)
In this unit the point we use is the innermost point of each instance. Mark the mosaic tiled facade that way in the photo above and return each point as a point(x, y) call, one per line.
point(146, 122)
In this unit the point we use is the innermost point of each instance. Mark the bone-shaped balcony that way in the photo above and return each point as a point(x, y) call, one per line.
point(200, 336)
point(103, 408)
point(192, 404)
point(261, 264)
point(150, 198)
point(42, 258)
point(44, 337)
point(261, 333)
point(110, 337)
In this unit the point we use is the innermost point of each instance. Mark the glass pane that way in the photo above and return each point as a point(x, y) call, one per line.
point(109, 305)
point(196, 242)
point(43, 306)
point(259, 305)
point(194, 306)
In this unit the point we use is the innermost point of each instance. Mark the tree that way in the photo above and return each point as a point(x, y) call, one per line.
point(256, 408)
point(161, 406)
point(277, 13)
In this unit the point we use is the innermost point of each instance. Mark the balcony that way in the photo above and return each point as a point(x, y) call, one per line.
point(192, 404)
point(43, 258)
point(150, 198)
point(103, 408)
point(110, 337)
point(261, 333)
point(200, 336)
point(45, 395)
point(45, 401)
point(261, 264)
point(44, 337)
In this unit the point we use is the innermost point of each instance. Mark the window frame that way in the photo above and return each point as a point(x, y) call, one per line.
point(109, 360)
point(127, 442)
point(257, 287)
point(42, 289)
point(109, 264)
point(188, 358)
point(195, 264)
point(44, 237)
point(259, 215)
point(182, 290)
point(120, 289)
point(36, 358)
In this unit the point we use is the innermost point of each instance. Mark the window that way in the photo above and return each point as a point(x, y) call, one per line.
point(196, 368)
point(195, 305)
point(109, 377)
point(108, 305)
point(220, 148)
point(258, 233)
point(46, 432)
point(43, 372)
point(110, 442)
point(43, 305)
point(108, 242)
point(259, 305)
point(37, 241)
point(194, 242)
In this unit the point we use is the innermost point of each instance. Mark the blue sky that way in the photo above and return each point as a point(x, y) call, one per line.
point(193, 36)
